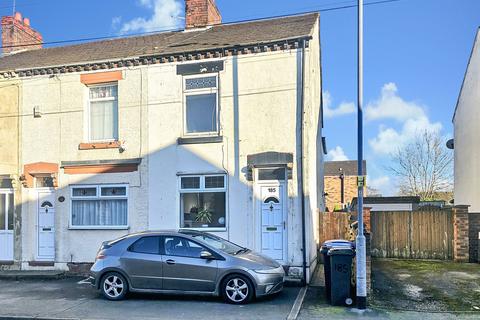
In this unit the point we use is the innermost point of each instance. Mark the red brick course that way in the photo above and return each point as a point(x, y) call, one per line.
point(461, 234)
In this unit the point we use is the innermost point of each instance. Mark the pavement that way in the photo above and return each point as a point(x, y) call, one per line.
point(426, 290)
point(69, 299)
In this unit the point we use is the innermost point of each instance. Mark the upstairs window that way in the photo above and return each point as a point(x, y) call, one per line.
point(201, 105)
point(103, 113)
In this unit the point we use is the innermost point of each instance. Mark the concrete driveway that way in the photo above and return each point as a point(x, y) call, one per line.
point(67, 299)
point(428, 286)
point(427, 290)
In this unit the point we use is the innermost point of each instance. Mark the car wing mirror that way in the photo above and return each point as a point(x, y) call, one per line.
point(206, 255)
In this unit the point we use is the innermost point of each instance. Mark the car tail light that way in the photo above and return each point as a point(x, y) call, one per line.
point(100, 255)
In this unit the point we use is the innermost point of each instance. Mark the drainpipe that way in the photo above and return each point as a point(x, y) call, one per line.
point(302, 193)
point(342, 188)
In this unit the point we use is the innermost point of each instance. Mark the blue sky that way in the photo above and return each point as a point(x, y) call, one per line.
point(416, 52)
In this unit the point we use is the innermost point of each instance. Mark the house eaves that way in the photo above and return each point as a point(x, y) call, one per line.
point(216, 42)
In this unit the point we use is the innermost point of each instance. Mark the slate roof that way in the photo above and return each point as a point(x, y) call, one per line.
point(258, 32)
point(349, 168)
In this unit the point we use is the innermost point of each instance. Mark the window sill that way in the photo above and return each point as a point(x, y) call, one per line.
point(200, 140)
point(207, 229)
point(99, 228)
point(99, 145)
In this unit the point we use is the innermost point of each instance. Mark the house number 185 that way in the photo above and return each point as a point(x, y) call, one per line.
point(272, 189)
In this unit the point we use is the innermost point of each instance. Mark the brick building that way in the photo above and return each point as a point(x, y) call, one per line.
point(340, 182)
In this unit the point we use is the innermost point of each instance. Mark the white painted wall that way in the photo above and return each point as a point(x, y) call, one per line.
point(467, 133)
point(55, 137)
point(151, 120)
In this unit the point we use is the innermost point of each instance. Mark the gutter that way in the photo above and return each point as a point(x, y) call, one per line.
point(302, 193)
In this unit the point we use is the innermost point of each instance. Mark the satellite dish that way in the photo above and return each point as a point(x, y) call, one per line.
point(450, 144)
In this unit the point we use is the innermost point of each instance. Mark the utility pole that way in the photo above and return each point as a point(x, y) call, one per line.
point(360, 240)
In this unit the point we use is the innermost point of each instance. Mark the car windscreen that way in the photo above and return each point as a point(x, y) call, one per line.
point(218, 243)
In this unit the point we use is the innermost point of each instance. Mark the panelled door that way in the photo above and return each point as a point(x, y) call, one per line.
point(46, 225)
point(272, 221)
point(6, 225)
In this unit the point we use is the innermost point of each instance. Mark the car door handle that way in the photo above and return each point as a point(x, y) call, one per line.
point(170, 261)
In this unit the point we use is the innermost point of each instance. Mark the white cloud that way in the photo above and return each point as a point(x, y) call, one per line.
point(381, 183)
point(337, 154)
point(411, 115)
point(164, 16)
point(343, 109)
point(392, 106)
point(116, 22)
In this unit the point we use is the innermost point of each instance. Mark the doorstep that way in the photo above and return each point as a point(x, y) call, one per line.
point(31, 274)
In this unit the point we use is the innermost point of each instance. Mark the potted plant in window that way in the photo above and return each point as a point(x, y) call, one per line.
point(204, 216)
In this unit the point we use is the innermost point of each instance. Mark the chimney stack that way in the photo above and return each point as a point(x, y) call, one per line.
point(201, 14)
point(18, 35)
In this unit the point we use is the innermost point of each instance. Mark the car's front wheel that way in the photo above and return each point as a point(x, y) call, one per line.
point(114, 286)
point(237, 289)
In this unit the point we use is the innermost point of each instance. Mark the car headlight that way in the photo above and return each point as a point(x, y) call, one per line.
point(278, 270)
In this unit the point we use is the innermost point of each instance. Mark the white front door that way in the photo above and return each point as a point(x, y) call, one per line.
point(46, 225)
point(6, 225)
point(273, 221)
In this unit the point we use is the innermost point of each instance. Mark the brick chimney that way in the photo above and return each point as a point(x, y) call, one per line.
point(201, 13)
point(17, 31)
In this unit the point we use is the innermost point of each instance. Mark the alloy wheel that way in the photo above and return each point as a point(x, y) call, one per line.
point(237, 290)
point(113, 286)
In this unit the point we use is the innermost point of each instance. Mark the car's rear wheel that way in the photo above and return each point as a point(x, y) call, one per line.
point(237, 289)
point(114, 286)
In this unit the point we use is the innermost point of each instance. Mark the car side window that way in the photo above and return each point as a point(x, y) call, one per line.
point(181, 247)
point(148, 245)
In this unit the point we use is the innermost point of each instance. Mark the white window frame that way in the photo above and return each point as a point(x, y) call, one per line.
point(202, 189)
point(98, 196)
point(192, 92)
point(88, 108)
point(7, 192)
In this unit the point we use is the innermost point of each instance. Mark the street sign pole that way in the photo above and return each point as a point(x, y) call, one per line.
point(361, 264)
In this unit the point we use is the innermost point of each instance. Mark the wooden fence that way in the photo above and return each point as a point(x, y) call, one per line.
point(334, 225)
point(412, 235)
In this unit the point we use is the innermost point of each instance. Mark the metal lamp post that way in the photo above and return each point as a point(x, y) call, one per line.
point(361, 264)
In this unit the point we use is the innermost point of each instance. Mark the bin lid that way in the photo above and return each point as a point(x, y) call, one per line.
point(338, 243)
point(341, 252)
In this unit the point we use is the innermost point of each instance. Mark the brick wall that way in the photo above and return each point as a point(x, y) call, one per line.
point(333, 190)
point(460, 234)
point(473, 231)
point(201, 13)
point(16, 31)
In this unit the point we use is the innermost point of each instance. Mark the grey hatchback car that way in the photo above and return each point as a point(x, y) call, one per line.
point(186, 262)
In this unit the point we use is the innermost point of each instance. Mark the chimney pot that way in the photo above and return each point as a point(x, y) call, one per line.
point(18, 35)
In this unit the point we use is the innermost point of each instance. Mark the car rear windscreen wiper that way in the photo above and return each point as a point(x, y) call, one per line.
point(241, 250)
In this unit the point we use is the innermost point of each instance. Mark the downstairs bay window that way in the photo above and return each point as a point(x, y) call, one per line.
point(99, 207)
point(203, 201)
